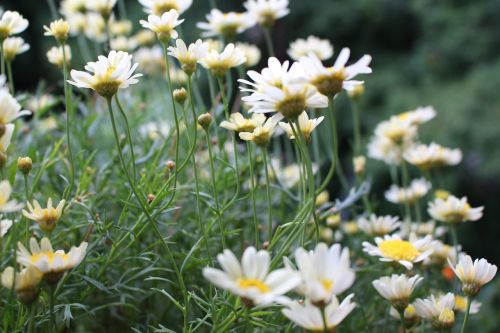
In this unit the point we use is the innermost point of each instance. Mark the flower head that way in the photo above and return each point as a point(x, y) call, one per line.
point(227, 25)
point(11, 23)
point(252, 280)
point(397, 289)
point(309, 316)
point(439, 310)
point(7, 205)
point(25, 282)
point(238, 123)
point(10, 109)
point(399, 195)
point(151, 60)
point(107, 74)
point(431, 156)
point(454, 210)
point(461, 305)
point(189, 56)
point(330, 81)
point(48, 217)
point(158, 7)
point(220, 62)
point(261, 134)
point(379, 225)
point(394, 249)
point(103, 7)
point(305, 125)
point(321, 48)
point(51, 263)
point(252, 54)
point(266, 12)
point(163, 25)
point(473, 275)
point(418, 116)
point(59, 29)
point(325, 272)
point(55, 55)
point(14, 46)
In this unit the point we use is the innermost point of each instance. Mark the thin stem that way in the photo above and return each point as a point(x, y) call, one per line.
point(333, 127)
point(32, 312)
point(26, 189)
point(356, 128)
point(402, 320)
point(52, 327)
point(466, 318)
point(213, 4)
point(69, 113)
point(2, 58)
point(10, 77)
point(268, 195)
point(53, 9)
point(214, 186)
point(252, 193)
point(129, 136)
point(325, 322)
point(269, 41)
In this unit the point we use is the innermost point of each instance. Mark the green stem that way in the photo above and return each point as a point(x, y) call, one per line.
point(268, 195)
point(2, 58)
point(356, 129)
point(402, 320)
point(10, 77)
point(269, 41)
point(216, 194)
point(53, 9)
point(148, 215)
point(252, 193)
point(466, 318)
point(325, 322)
point(69, 113)
point(333, 127)
point(32, 313)
point(26, 189)
point(129, 137)
point(52, 323)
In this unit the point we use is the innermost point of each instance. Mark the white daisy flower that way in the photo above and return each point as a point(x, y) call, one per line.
point(306, 125)
point(123, 43)
point(431, 156)
point(11, 23)
point(5, 140)
point(266, 12)
point(309, 316)
point(252, 53)
point(189, 56)
point(55, 55)
point(103, 7)
point(227, 25)
point(238, 123)
point(325, 272)
point(151, 61)
point(321, 48)
point(399, 195)
point(158, 7)
point(163, 25)
point(95, 27)
point(7, 205)
point(439, 310)
point(5, 225)
point(397, 289)
point(454, 210)
point(252, 280)
point(48, 217)
point(418, 116)
point(13, 46)
point(10, 109)
point(59, 29)
point(261, 134)
point(220, 62)
point(51, 263)
point(392, 248)
point(331, 80)
point(25, 282)
point(473, 275)
point(107, 74)
point(379, 225)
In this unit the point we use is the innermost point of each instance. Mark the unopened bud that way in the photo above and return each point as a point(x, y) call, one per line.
point(356, 92)
point(170, 165)
point(180, 95)
point(359, 164)
point(265, 245)
point(151, 197)
point(205, 120)
point(24, 164)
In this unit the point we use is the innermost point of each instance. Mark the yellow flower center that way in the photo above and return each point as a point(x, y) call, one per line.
point(3, 198)
point(163, 7)
point(50, 256)
point(398, 250)
point(253, 283)
point(327, 284)
point(292, 106)
point(49, 215)
point(460, 303)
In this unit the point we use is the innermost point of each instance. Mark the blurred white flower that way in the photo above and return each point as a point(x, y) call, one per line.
point(252, 53)
point(266, 12)
point(10, 109)
point(378, 225)
point(7, 205)
point(227, 25)
point(439, 310)
point(418, 116)
point(5, 225)
point(56, 57)
point(158, 7)
point(252, 280)
point(238, 123)
point(306, 126)
point(473, 274)
point(399, 195)
point(11, 23)
point(321, 48)
point(14, 46)
point(433, 155)
point(397, 289)
point(190, 55)
point(220, 63)
point(163, 25)
point(261, 134)
point(454, 210)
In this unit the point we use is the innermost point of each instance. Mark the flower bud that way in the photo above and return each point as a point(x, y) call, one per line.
point(205, 120)
point(180, 95)
point(333, 221)
point(151, 197)
point(24, 164)
point(359, 164)
point(322, 198)
point(170, 165)
point(356, 92)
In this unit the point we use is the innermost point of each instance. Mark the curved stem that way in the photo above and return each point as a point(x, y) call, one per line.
point(268, 195)
point(69, 112)
point(466, 318)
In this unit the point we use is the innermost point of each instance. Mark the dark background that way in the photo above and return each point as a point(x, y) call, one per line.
point(441, 53)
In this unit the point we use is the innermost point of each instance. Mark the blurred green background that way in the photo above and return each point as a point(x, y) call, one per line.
point(441, 53)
